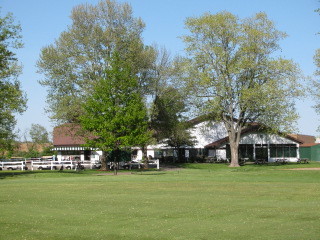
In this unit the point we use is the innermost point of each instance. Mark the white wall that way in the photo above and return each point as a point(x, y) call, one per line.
point(208, 132)
point(150, 152)
point(221, 153)
point(262, 138)
point(94, 157)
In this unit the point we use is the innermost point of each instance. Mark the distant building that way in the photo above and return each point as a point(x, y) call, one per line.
point(309, 147)
point(211, 141)
point(69, 144)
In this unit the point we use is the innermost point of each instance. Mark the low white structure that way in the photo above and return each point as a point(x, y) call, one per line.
point(260, 146)
point(211, 141)
point(69, 145)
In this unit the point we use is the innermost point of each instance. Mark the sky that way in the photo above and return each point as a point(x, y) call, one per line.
point(42, 22)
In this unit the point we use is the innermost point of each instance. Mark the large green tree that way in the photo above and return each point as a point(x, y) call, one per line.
point(115, 113)
point(79, 57)
point(12, 97)
point(235, 75)
point(316, 83)
point(34, 138)
point(38, 134)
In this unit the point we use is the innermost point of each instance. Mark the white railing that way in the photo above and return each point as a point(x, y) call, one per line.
point(16, 165)
point(53, 165)
point(59, 165)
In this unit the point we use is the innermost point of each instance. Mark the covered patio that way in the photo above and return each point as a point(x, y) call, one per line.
point(259, 146)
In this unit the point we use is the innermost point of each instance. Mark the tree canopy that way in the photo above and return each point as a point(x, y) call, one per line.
point(80, 56)
point(38, 134)
point(316, 83)
point(168, 121)
point(115, 113)
point(234, 74)
point(13, 100)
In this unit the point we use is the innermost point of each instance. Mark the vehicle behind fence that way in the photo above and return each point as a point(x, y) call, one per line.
point(40, 164)
point(13, 165)
point(44, 164)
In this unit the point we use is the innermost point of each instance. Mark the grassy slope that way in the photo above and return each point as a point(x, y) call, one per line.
point(200, 202)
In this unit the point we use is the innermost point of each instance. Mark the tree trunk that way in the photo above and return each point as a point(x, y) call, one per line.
point(234, 148)
point(234, 132)
point(103, 161)
point(115, 168)
point(116, 161)
point(145, 156)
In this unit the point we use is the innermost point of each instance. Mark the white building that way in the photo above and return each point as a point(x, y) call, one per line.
point(211, 141)
point(69, 145)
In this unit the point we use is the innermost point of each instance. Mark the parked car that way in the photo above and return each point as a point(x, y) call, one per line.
point(97, 165)
point(68, 164)
point(42, 165)
point(18, 165)
point(132, 165)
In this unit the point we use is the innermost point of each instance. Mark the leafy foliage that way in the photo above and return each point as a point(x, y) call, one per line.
point(235, 76)
point(168, 120)
point(12, 98)
point(316, 83)
point(115, 112)
point(80, 56)
point(39, 134)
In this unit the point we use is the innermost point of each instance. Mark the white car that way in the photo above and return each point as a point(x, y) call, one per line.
point(12, 166)
point(67, 165)
point(41, 165)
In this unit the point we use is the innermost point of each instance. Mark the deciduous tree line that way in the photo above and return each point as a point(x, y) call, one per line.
point(101, 75)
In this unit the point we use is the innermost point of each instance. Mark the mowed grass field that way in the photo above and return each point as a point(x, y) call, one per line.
point(200, 201)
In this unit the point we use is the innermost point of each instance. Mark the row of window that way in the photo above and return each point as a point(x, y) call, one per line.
point(245, 151)
point(261, 151)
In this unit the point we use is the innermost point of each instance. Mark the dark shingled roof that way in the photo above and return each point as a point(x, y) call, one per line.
point(306, 140)
point(67, 135)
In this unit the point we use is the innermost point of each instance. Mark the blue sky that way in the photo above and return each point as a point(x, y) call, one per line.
point(42, 22)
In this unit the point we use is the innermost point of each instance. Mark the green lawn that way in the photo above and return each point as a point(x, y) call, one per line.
point(201, 201)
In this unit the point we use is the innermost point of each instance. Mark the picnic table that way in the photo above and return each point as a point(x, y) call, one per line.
point(303, 160)
point(261, 161)
point(281, 161)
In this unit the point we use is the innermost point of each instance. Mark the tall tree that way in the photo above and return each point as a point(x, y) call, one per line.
point(168, 119)
point(115, 113)
point(316, 83)
point(235, 75)
point(12, 97)
point(38, 134)
point(80, 56)
point(157, 92)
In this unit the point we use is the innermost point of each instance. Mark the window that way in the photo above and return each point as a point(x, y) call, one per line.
point(288, 150)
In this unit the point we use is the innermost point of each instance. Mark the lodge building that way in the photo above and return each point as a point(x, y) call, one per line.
point(210, 138)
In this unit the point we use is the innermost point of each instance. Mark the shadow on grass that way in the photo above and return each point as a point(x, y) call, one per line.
point(248, 166)
point(148, 173)
point(6, 174)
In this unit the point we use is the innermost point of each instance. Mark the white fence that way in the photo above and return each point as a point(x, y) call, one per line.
point(16, 165)
point(61, 165)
